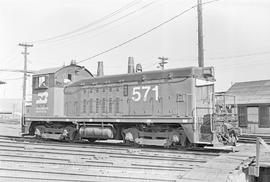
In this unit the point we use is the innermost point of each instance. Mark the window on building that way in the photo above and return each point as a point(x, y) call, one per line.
point(253, 114)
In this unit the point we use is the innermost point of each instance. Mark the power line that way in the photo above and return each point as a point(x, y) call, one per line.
point(90, 24)
point(150, 65)
point(8, 79)
point(102, 25)
point(240, 56)
point(211, 59)
point(150, 30)
point(12, 54)
point(14, 70)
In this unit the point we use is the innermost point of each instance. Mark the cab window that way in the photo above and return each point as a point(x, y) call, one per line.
point(41, 82)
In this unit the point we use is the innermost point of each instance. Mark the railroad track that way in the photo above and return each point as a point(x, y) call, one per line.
point(115, 145)
point(26, 159)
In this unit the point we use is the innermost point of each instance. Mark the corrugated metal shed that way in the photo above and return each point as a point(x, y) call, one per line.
point(252, 92)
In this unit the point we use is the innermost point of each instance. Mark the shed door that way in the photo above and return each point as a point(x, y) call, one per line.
point(264, 121)
point(242, 116)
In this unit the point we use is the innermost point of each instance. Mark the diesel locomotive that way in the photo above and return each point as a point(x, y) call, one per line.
point(161, 107)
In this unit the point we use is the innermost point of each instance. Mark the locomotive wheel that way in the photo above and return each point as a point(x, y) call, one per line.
point(91, 140)
point(39, 130)
point(188, 144)
point(72, 135)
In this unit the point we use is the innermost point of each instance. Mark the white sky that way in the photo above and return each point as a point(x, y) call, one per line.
point(232, 29)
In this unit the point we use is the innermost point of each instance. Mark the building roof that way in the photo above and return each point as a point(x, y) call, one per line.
point(252, 92)
point(56, 69)
point(47, 71)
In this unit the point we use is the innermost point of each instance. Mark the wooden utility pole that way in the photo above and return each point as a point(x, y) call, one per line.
point(25, 53)
point(163, 62)
point(200, 35)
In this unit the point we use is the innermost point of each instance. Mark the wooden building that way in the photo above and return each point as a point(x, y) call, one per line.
point(253, 103)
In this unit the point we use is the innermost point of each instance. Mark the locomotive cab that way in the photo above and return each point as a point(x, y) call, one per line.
point(48, 90)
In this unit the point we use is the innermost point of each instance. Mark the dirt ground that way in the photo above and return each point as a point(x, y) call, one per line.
point(10, 127)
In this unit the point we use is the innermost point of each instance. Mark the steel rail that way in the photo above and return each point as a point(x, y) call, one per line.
point(81, 175)
point(133, 167)
point(113, 146)
point(126, 156)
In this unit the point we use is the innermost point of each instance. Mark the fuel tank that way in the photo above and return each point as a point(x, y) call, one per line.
point(96, 132)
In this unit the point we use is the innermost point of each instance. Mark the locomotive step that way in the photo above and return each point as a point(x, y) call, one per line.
point(156, 142)
point(52, 136)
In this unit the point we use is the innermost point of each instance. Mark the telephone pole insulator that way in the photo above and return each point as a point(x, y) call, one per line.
point(25, 53)
point(163, 62)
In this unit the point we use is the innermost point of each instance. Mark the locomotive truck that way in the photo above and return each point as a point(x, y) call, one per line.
point(161, 107)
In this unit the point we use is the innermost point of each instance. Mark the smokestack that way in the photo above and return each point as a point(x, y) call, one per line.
point(100, 69)
point(131, 65)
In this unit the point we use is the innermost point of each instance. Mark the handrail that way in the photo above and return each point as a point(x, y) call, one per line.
point(255, 170)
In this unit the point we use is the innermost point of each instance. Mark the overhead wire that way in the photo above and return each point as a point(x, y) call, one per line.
point(144, 33)
point(240, 55)
point(9, 79)
point(151, 65)
point(211, 59)
point(134, 2)
point(102, 25)
point(11, 55)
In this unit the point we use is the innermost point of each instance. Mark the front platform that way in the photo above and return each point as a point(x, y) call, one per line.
point(231, 167)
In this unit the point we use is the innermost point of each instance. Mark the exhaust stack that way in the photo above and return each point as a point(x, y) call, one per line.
point(131, 65)
point(100, 69)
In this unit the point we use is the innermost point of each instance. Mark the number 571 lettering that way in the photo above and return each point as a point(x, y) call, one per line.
point(137, 92)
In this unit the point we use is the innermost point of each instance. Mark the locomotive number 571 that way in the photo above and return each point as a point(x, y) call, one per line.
point(137, 92)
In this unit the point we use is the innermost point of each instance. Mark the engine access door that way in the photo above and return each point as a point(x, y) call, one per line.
point(204, 109)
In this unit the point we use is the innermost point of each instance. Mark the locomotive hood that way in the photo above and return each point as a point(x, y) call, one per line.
point(198, 72)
